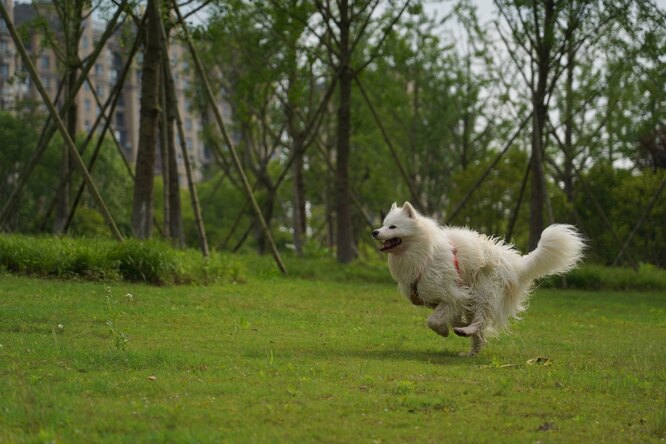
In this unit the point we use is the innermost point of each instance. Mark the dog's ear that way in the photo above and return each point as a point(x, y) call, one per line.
point(409, 210)
point(394, 206)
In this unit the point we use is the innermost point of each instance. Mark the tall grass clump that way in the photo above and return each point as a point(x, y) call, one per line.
point(145, 261)
point(152, 262)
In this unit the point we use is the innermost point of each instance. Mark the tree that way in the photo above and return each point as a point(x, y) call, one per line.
point(142, 208)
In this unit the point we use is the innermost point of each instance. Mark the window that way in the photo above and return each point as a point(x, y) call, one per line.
point(46, 82)
point(87, 105)
point(4, 71)
point(84, 42)
point(117, 60)
point(44, 62)
point(188, 124)
point(3, 47)
point(99, 69)
point(120, 119)
point(121, 100)
point(100, 91)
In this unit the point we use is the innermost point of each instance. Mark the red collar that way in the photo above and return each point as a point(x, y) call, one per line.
point(456, 264)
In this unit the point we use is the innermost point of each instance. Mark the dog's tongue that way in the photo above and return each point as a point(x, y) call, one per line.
point(387, 243)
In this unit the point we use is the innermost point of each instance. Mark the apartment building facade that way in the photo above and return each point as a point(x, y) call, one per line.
point(17, 91)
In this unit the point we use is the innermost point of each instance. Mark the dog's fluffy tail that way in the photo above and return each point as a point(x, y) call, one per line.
point(558, 251)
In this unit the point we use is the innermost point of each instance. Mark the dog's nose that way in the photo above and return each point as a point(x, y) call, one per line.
point(375, 233)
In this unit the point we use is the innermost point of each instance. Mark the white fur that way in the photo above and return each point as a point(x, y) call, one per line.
point(493, 282)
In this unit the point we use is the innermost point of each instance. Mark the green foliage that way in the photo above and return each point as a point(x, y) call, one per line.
point(623, 197)
point(151, 262)
point(19, 139)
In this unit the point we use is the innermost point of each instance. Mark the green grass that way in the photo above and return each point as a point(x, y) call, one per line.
point(278, 360)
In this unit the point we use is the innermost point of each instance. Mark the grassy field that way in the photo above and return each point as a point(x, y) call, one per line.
point(277, 360)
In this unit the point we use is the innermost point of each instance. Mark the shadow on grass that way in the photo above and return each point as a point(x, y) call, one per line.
point(444, 357)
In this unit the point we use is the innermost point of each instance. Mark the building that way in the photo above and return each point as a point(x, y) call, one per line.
point(17, 91)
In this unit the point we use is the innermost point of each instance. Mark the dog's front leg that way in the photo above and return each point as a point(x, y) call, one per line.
point(440, 320)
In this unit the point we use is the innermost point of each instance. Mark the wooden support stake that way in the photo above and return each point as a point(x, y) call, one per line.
point(49, 130)
point(227, 140)
point(483, 176)
point(640, 221)
point(394, 153)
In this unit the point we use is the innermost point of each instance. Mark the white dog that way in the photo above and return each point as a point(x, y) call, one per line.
point(474, 283)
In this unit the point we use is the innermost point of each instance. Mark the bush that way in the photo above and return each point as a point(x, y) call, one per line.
point(598, 277)
point(151, 262)
point(157, 263)
point(148, 261)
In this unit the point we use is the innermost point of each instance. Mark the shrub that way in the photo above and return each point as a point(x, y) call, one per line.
point(152, 262)
point(147, 261)
point(598, 277)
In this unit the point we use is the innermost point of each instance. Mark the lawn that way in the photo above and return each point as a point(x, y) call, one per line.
point(295, 360)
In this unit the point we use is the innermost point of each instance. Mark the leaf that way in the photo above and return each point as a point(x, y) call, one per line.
point(543, 360)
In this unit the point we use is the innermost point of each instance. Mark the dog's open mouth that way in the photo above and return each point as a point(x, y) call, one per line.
point(391, 243)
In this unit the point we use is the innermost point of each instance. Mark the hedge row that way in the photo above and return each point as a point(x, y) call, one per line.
point(152, 262)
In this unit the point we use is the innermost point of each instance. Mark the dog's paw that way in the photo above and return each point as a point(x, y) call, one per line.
point(465, 331)
point(442, 330)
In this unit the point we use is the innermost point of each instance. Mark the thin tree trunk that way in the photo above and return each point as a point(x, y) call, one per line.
point(174, 117)
point(62, 205)
point(142, 208)
point(568, 148)
point(537, 195)
point(345, 252)
point(298, 206)
point(164, 157)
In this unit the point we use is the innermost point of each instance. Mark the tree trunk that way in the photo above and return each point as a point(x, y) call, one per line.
point(175, 227)
point(142, 209)
point(298, 202)
point(568, 148)
point(62, 206)
point(537, 196)
point(345, 250)
point(164, 157)
point(268, 208)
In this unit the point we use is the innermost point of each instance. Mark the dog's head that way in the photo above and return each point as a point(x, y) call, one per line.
point(400, 224)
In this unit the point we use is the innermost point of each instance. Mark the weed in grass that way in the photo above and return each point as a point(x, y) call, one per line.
point(120, 339)
point(659, 429)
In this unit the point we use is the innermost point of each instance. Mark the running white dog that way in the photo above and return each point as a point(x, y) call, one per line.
point(474, 283)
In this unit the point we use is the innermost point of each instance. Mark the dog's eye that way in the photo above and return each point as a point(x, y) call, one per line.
point(392, 227)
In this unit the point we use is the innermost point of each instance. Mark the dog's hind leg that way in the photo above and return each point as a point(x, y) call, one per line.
point(478, 341)
point(480, 310)
point(474, 327)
